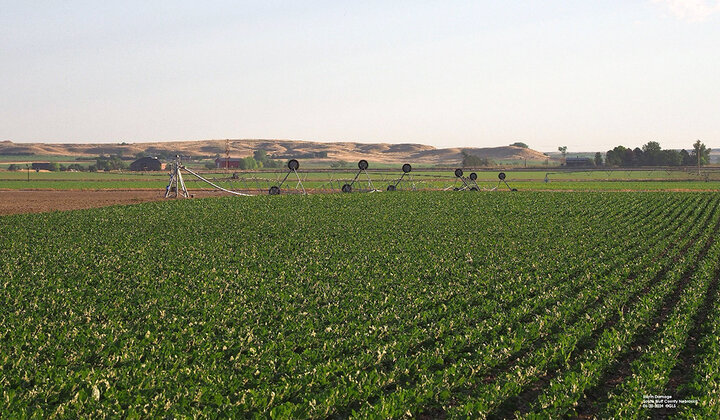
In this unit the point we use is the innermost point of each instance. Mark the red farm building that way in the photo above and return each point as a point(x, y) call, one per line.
point(227, 162)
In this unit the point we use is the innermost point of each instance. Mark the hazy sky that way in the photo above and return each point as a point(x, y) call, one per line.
point(586, 74)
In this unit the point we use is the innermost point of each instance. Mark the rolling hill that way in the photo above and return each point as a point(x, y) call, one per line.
point(348, 151)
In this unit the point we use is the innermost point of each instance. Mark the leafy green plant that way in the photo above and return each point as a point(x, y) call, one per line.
point(356, 305)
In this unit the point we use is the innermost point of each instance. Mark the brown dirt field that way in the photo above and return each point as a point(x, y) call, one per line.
point(17, 202)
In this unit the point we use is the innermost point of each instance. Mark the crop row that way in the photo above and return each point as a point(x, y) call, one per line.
point(465, 339)
point(488, 396)
point(521, 330)
point(703, 390)
point(651, 371)
point(565, 390)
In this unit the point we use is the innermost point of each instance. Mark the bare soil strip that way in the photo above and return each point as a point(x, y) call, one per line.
point(18, 202)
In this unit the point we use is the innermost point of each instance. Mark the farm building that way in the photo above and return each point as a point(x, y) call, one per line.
point(147, 164)
point(41, 166)
point(227, 162)
point(578, 161)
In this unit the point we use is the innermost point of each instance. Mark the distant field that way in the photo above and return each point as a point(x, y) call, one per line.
point(333, 180)
point(38, 158)
point(426, 304)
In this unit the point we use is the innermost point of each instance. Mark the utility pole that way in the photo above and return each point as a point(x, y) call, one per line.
point(227, 153)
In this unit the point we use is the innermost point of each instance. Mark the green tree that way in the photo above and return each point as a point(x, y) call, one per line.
point(13, 167)
point(639, 158)
point(686, 158)
point(250, 162)
point(273, 163)
point(671, 158)
point(260, 156)
point(520, 144)
point(472, 161)
point(109, 163)
point(54, 167)
point(651, 154)
point(263, 160)
point(598, 159)
point(615, 156)
point(700, 154)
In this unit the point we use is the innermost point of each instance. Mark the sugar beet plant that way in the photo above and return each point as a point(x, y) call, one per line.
point(381, 305)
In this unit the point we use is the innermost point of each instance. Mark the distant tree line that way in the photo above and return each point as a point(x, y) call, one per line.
point(53, 167)
point(651, 154)
point(11, 153)
point(264, 161)
point(259, 159)
point(109, 163)
point(472, 161)
point(308, 155)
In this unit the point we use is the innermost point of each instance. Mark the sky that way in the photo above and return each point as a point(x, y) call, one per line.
point(584, 74)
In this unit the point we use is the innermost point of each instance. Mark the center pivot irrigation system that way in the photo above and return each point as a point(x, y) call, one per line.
point(470, 183)
point(293, 166)
point(362, 168)
point(406, 168)
point(179, 185)
point(176, 187)
point(501, 177)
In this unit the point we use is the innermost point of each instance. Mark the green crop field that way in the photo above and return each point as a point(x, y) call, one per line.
point(427, 304)
point(327, 181)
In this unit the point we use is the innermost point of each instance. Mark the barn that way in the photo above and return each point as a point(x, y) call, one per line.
point(227, 162)
point(147, 164)
point(41, 166)
point(578, 161)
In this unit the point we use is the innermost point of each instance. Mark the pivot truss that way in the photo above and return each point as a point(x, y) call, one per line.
point(177, 184)
point(406, 168)
point(362, 169)
point(293, 166)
